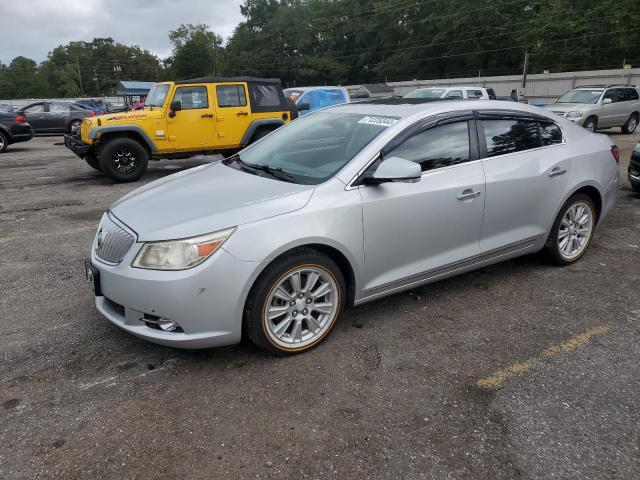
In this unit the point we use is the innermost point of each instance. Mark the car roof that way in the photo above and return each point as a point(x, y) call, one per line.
point(410, 107)
point(444, 87)
point(306, 89)
point(228, 79)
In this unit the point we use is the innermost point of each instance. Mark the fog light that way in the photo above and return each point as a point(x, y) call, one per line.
point(163, 324)
point(167, 325)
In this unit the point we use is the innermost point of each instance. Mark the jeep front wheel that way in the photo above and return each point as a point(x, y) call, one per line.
point(123, 160)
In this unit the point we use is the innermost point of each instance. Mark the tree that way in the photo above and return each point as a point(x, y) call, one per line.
point(197, 52)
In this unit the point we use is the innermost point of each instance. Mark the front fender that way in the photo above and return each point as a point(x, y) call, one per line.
point(95, 133)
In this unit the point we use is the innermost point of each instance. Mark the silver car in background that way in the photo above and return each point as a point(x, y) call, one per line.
point(342, 207)
point(600, 106)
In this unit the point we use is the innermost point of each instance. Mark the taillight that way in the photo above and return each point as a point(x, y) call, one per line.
point(615, 151)
point(92, 113)
point(20, 118)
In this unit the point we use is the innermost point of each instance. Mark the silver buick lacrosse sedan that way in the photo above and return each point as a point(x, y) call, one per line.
point(342, 207)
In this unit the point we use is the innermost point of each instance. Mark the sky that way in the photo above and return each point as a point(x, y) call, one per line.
point(32, 28)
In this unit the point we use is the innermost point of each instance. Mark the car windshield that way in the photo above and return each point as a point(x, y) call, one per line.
point(580, 96)
point(157, 95)
point(312, 149)
point(293, 94)
point(426, 93)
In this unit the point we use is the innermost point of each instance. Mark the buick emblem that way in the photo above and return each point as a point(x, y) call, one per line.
point(99, 239)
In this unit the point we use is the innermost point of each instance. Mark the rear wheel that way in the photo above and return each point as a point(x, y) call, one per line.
point(263, 132)
point(572, 230)
point(123, 160)
point(635, 187)
point(591, 123)
point(4, 142)
point(295, 303)
point(631, 124)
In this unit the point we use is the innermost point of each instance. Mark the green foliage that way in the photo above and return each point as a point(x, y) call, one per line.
point(196, 52)
point(315, 42)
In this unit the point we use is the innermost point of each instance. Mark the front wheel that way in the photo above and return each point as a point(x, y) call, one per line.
point(74, 127)
point(123, 160)
point(4, 142)
point(92, 161)
point(295, 302)
point(591, 123)
point(572, 231)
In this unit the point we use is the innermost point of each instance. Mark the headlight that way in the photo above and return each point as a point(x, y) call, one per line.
point(180, 254)
point(575, 114)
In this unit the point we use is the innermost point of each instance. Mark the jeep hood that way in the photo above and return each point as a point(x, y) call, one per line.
point(133, 116)
point(206, 199)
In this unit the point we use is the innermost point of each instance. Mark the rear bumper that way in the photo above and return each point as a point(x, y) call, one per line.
point(77, 146)
point(21, 137)
point(20, 133)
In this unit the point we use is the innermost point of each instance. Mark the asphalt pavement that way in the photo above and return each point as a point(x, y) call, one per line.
point(516, 371)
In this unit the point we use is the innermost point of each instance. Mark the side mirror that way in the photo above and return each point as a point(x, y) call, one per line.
point(175, 106)
point(303, 106)
point(606, 101)
point(394, 169)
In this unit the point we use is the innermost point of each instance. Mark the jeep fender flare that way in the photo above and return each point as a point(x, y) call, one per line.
point(253, 126)
point(124, 129)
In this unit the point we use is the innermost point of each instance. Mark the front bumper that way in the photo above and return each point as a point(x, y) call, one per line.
point(76, 145)
point(207, 301)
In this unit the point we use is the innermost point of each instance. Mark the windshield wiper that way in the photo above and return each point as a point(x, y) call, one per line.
point(253, 168)
point(275, 172)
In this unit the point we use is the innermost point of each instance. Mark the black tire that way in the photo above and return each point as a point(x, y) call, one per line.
point(263, 132)
point(635, 187)
point(92, 161)
point(591, 123)
point(4, 142)
point(119, 150)
point(552, 250)
point(74, 127)
point(255, 318)
point(631, 125)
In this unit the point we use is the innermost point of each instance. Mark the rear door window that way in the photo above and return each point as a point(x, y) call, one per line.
point(231, 96)
point(59, 107)
point(454, 94)
point(474, 94)
point(550, 134)
point(438, 147)
point(631, 94)
point(506, 135)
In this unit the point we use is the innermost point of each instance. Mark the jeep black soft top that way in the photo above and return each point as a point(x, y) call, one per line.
point(266, 93)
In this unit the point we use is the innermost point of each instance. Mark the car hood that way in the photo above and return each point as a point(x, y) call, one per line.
point(567, 107)
point(206, 199)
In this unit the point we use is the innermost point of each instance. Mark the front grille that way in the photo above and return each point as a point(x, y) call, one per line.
point(112, 242)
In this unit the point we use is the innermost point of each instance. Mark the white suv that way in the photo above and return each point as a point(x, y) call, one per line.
point(451, 93)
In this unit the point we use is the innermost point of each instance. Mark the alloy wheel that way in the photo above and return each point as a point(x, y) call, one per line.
point(301, 307)
point(575, 230)
point(124, 160)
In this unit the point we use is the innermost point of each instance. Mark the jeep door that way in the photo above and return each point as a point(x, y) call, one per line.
point(193, 126)
point(233, 114)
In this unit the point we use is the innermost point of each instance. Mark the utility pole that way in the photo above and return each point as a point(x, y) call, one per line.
point(79, 77)
point(117, 69)
point(95, 78)
point(525, 70)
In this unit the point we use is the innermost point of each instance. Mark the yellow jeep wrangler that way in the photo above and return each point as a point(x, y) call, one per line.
point(181, 119)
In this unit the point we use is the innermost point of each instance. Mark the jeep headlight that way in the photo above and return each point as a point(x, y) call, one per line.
point(180, 254)
point(575, 114)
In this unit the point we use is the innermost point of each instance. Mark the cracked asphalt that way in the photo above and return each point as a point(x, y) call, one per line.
point(396, 392)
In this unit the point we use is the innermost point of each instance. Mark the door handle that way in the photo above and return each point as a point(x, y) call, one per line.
point(242, 113)
point(556, 172)
point(468, 194)
point(206, 115)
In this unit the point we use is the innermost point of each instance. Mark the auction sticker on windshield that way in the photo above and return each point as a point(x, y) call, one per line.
point(380, 121)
